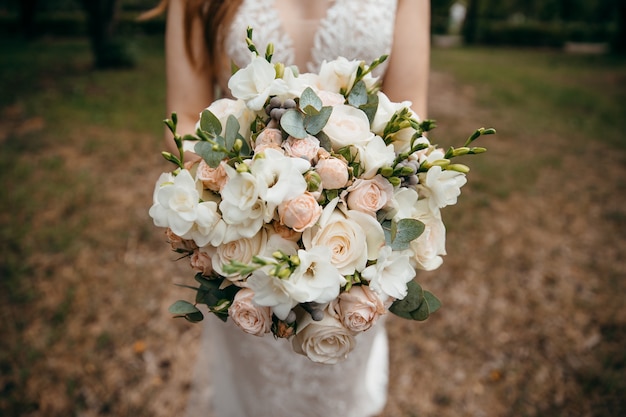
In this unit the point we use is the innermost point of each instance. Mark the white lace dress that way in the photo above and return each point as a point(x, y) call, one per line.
point(260, 376)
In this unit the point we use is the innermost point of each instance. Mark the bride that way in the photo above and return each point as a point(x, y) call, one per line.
point(263, 377)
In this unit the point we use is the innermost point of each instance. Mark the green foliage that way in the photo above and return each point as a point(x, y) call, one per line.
point(400, 234)
point(417, 305)
point(308, 119)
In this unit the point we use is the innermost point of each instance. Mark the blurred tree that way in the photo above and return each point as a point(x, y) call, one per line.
point(470, 25)
point(108, 51)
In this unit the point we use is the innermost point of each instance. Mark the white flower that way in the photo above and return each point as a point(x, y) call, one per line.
point(271, 291)
point(443, 186)
point(326, 341)
point(316, 276)
point(242, 250)
point(241, 207)
point(279, 177)
point(255, 83)
point(209, 226)
point(386, 108)
point(353, 237)
point(374, 155)
point(337, 75)
point(175, 202)
point(346, 126)
point(390, 274)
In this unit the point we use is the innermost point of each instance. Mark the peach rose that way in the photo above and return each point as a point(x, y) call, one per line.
point(250, 318)
point(285, 232)
point(269, 136)
point(333, 172)
point(300, 213)
point(201, 261)
point(178, 243)
point(369, 196)
point(358, 309)
point(302, 148)
point(213, 179)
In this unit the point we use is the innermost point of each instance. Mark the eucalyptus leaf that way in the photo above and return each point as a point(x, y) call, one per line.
point(309, 98)
point(194, 317)
point(405, 231)
point(434, 303)
point(182, 307)
point(409, 304)
point(231, 132)
point(210, 124)
point(358, 94)
point(421, 313)
point(324, 141)
point(370, 107)
point(292, 122)
point(314, 124)
point(211, 157)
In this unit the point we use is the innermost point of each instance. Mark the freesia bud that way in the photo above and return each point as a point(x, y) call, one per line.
point(458, 168)
point(386, 172)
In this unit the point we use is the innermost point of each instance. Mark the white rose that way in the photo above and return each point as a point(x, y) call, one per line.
point(358, 309)
point(175, 202)
point(353, 237)
point(374, 155)
point(326, 341)
point(431, 245)
point(331, 99)
point(255, 83)
point(250, 318)
point(241, 250)
point(390, 274)
point(369, 196)
point(347, 126)
point(337, 75)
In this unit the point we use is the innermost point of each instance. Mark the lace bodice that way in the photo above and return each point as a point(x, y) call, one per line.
point(354, 29)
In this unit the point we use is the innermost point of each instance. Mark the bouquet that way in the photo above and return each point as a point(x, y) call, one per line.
point(313, 203)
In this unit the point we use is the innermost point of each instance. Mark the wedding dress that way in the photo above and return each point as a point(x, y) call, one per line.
point(261, 376)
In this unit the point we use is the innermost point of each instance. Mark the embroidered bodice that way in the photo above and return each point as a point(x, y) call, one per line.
point(354, 29)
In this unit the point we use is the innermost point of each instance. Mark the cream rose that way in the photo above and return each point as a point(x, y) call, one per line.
point(300, 213)
point(369, 196)
point(201, 261)
point(326, 341)
point(347, 126)
point(251, 318)
point(333, 172)
point(358, 309)
point(241, 250)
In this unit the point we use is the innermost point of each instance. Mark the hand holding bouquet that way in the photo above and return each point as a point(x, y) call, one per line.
point(315, 200)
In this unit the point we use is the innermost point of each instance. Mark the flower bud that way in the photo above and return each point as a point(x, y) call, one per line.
point(386, 172)
point(313, 181)
point(395, 181)
point(464, 169)
point(461, 151)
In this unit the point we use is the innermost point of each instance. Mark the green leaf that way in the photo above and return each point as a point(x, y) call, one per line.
point(358, 95)
point(314, 124)
point(370, 107)
point(231, 132)
point(292, 122)
point(309, 98)
point(325, 141)
point(211, 157)
point(409, 304)
point(194, 317)
point(433, 302)
point(210, 124)
point(183, 308)
point(405, 231)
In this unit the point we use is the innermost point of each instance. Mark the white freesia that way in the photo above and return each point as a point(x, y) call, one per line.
point(175, 202)
point(279, 177)
point(374, 155)
point(353, 237)
point(390, 274)
point(209, 227)
point(256, 82)
point(337, 75)
point(386, 108)
point(316, 276)
point(443, 186)
point(346, 126)
point(271, 291)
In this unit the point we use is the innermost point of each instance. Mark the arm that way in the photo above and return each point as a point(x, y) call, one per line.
point(409, 62)
point(189, 88)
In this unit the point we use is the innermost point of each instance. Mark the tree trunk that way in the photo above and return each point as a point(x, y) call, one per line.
point(101, 20)
point(470, 25)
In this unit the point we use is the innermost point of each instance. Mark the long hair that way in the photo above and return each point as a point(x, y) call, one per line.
point(215, 16)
